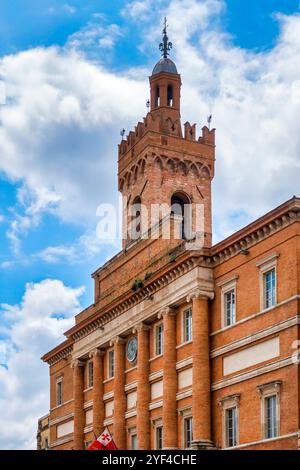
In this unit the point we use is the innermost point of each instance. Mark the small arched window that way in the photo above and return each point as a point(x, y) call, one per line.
point(157, 97)
point(136, 218)
point(180, 207)
point(170, 95)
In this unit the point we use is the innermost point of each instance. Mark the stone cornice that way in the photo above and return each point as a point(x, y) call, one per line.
point(262, 228)
point(60, 352)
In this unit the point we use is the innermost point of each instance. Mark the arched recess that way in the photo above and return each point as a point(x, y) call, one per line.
point(171, 165)
point(182, 168)
point(158, 163)
point(181, 208)
point(205, 173)
point(157, 97)
point(170, 95)
point(194, 170)
point(135, 218)
point(142, 164)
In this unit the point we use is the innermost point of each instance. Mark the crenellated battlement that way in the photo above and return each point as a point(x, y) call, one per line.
point(155, 123)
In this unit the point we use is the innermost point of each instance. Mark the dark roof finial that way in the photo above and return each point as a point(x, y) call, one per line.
point(165, 46)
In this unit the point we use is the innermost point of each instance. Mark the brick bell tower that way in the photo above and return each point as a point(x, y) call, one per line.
point(160, 164)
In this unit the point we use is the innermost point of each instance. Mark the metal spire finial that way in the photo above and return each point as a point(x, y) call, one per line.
point(165, 46)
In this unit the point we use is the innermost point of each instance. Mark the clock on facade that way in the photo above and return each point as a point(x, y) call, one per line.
point(132, 349)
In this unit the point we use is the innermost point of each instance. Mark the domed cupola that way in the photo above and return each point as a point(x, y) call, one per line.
point(165, 83)
point(165, 65)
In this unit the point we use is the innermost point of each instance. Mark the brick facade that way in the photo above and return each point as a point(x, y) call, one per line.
point(234, 383)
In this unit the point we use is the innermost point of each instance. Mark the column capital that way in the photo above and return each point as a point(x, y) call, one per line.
point(200, 294)
point(96, 352)
point(166, 311)
point(117, 340)
point(140, 327)
point(77, 363)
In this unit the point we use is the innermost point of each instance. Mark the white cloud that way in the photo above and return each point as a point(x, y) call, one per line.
point(61, 123)
point(65, 8)
point(69, 8)
point(6, 264)
point(95, 35)
point(32, 328)
point(59, 134)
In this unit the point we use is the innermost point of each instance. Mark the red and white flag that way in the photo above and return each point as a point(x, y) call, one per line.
point(104, 442)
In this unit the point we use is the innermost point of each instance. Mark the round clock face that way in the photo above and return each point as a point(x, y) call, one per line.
point(132, 349)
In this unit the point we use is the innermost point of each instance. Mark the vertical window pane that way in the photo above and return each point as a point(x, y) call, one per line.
point(269, 288)
point(59, 393)
point(134, 442)
point(159, 339)
point(111, 365)
point(90, 375)
point(188, 432)
point(229, 301)
point(188, 322)
point(159, 438)
point(271, 416)
point(231, 427)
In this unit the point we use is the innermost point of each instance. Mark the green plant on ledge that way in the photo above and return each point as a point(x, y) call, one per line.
point(172, 257)
point(138, 283)
point(148, 275)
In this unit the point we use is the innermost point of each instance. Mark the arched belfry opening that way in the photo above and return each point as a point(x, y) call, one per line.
point(136, 219)
point(170, 95)
point(157, 97)
point(181, 211)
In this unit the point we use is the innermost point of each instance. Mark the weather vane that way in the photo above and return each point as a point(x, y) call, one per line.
point(165, 46)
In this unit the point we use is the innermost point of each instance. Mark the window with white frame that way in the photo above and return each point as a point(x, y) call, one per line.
point(187, 326)
point(271, 416)
point(188, 431)
point(268, 281)
point(159, 437)
point(269, 287)
point(59, 391)
point(231, 427)
point(159, 339)
point(230, 420)
point(133, 441)
point(270, 409)
point(228, 301)
point(229, 307)
point(111, 363)
point(90, 374)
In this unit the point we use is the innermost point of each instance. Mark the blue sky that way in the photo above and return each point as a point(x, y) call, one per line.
point(74, 74)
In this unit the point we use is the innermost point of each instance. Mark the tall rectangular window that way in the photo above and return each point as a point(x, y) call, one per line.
point(269, 286)
point(271, 416)
point(229, 307)
point(231, 427)
point(59, 392)
point(188, 325)
point(159, 340)
point(90, 374)
point(133, 442)
point(111, 364)
point(159, 437)
point(188, 432)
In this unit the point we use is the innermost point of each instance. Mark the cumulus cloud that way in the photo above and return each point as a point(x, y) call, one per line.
point(59, 134)
point(29, 330)
point(60, 126)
